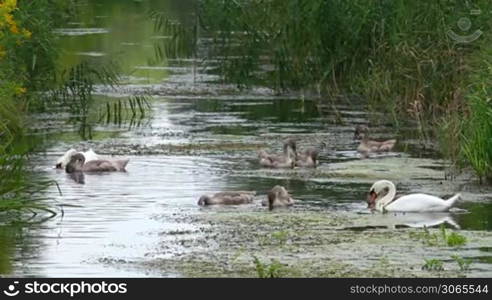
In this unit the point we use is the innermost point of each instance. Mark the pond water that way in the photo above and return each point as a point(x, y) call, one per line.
point(201, 136)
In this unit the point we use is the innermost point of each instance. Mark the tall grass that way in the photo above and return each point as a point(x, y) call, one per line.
point(393, 49)
point(476, 134)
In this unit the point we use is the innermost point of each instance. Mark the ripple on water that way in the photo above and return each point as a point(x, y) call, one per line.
point(80, 31)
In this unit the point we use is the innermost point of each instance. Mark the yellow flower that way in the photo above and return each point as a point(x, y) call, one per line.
point(14, 29)
point(6, 17)
point(9, 19)
point(10, 4)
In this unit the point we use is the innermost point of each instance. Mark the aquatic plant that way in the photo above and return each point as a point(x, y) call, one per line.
point(264, 270)
point(453, 239)
point(73, 91)
point(430, 239)
point(182, 41)
point(463, 263)
point(433, 265)
point(279, 238)
point(476, 135)
point(130, 110)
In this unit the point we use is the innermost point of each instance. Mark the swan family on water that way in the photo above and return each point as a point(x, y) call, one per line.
point(381, 196)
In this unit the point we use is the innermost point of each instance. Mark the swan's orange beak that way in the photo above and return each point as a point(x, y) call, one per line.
point(371, 199)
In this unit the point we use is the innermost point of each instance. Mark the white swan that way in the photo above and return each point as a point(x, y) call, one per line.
point(89, 155)
point(382, 198)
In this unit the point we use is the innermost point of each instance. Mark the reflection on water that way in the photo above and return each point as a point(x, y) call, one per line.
point(421, 220)
point(7, 241)
point(479, 216)
point(122, 30)
point(201, 137)
point(78, 177)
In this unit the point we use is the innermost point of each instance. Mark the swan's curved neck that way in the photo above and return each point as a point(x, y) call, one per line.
point(388, 198)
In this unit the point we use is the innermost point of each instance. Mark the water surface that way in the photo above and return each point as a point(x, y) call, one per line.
point(201, 136)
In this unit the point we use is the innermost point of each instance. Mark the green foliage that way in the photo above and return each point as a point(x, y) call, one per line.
point(132, 110)
point(264, 270)
point(430, 239)
point(476, 138)
point(27, 65)
point(433, 265)
point(31, 62)
point(73, 91)
point(453, 239)
point(463, 263)
point(281, 237)
point(395, 52)
point(437, 264)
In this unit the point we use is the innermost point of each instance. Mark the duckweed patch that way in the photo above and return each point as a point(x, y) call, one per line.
point(184, 149)
point(301, 243)
point(212, 147)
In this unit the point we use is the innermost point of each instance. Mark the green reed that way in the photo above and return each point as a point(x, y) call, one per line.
point(466, 137)
point(181, 38)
